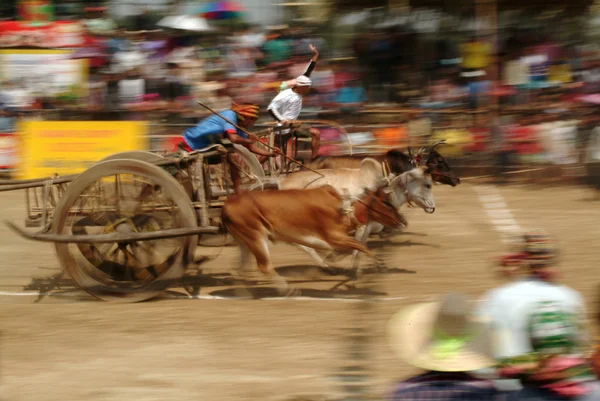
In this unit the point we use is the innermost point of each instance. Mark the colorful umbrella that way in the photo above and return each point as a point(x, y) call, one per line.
point(221, 10)
point(185, 23)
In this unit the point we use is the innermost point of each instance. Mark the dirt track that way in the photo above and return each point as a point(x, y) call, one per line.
point(68, 347)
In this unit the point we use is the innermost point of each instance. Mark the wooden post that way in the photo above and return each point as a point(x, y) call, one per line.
point(487, 10)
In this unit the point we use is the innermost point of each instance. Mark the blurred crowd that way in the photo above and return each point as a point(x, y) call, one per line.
point(156, 75)
point(152, 71)
point(386, 66)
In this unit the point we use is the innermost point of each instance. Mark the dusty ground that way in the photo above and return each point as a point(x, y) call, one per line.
point(68, 347)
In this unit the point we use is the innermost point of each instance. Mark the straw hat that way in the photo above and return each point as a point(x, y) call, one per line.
point(441, 336)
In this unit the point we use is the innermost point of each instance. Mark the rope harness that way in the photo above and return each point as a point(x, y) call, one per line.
point(392, 193)
point(348, 209)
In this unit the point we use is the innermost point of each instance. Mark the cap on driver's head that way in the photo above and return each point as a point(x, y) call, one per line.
point(303, 81)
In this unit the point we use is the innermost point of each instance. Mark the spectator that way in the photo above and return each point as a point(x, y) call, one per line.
point(475, 54)
point(554, 370)
point(479, 90)
point(173, 85)
point(351, 97)
point(509, 308)
point(115, 42)
point(221, 99)
point(445, 340)
point(96, 91)
point(325, 88)
point(15, 96)
point(7, 119)
point(132, 88)
point(241, 62)
point(557, 368)
point(276, 49)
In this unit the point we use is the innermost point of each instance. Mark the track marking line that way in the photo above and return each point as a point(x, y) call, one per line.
point(214, 297)
point(497, 211)
point(496, 205)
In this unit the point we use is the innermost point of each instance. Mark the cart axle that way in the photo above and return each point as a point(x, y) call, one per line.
point(113, 237)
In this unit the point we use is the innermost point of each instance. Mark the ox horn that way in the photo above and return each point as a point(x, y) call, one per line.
point(437, 143)
point(421, 155)
point(411, 156)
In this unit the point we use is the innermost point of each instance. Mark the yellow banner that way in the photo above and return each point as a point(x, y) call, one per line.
point(71, 147)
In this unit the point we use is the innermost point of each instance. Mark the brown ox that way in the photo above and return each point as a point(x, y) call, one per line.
point(315, 218)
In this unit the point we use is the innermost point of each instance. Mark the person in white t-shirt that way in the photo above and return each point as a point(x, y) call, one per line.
point(509, 305)
point(509, 308)
point(285, 108)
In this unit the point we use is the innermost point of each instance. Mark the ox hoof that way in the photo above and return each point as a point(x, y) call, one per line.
point(355, 275)
point(332, 271)
point(335, 257)
point(290, 292)
point(382, 268)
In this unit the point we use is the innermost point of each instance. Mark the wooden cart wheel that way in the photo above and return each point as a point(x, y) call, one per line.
point(254, 177)
point(125, 196)
point(136, 155)
point(152, 158)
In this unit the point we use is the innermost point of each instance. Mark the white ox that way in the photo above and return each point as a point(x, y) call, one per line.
point(413, 186)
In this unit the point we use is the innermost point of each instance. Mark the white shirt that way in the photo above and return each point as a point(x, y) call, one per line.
point(287, 106)
point(516, 72)
point(509, 308)
point(131, 90)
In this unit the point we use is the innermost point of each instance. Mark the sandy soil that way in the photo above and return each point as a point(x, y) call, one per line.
point(66, 346)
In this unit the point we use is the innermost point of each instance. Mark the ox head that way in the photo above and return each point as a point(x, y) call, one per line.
point(414, 187)
point(437, 165)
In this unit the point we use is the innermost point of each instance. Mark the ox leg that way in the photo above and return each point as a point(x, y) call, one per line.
point(244, 259)
point(316, 257)
point(344, 243)
point(362, 235)
point(260, 249)
point(241, 268)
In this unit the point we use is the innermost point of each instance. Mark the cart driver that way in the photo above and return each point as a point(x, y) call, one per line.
point(213, 128)
point(287, 105)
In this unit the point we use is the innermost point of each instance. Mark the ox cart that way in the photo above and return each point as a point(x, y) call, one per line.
point(128, 227)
